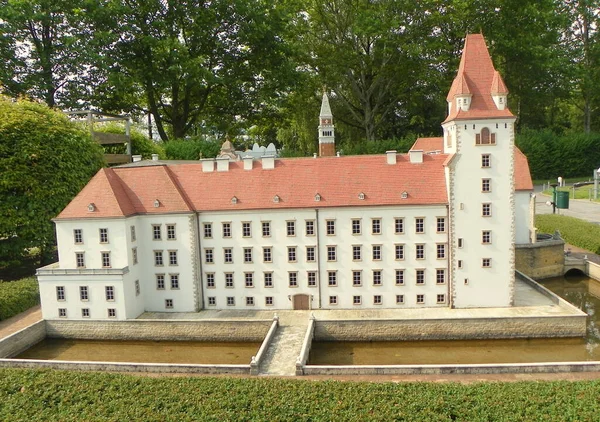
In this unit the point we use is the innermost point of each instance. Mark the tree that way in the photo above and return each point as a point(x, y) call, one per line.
point(45, 160)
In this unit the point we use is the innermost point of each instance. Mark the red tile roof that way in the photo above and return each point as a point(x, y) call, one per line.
point(522, 174)
point(428, 144)
point(476, 72)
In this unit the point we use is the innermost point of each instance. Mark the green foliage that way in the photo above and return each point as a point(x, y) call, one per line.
point(41, 395)
point(140, 143)
point(18, 296)
point(45, 160)
point(192, 149)
point(401, 145)
point(573, 230)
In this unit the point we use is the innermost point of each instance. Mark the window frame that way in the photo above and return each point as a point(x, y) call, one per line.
point(156, 232)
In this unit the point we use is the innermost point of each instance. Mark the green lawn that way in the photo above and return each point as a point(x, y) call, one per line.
point(582, 192)
point(18, 296)
point(573, 230)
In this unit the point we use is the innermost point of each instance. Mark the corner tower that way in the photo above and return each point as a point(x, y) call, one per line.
point(479, 132)
point(326, 129)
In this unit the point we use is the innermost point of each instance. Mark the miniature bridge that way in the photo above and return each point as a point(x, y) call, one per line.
point(575, 264)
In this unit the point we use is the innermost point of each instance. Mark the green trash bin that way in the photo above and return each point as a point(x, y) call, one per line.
point(562, 199)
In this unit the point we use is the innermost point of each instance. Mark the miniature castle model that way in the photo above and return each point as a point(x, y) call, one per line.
point(432, 228)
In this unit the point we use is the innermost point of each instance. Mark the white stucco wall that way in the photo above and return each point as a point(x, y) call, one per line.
point(522, 216)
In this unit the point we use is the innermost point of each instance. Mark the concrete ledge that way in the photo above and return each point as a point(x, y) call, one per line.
point(257, 360)
point(160, 368)
point(538, 287)
point(22, 340)
point(161, 329)
point(507, 368)
point(306, 344)
point(593, 270)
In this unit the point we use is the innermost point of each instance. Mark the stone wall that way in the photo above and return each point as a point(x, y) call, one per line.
point(22, 340)
point(174, 330)
point(542, 259)
point(451, 329)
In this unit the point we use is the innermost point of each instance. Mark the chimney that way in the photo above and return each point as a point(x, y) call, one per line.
point(416, 156)
point(268, 162)
point(223, 164)
point(391, 156)
point(208, 165)
point(136, 158)
point(154, 157)
point(248, 162)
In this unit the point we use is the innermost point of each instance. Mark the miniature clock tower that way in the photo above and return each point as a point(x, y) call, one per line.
point(326, 129)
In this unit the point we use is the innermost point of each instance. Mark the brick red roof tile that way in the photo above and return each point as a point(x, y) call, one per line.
point(428, 144)
point(522, 174)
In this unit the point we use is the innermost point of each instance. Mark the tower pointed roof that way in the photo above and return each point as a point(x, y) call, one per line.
point(477, 74)
point(325, 108)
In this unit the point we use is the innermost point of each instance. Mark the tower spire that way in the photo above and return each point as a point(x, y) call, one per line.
point(326, 129)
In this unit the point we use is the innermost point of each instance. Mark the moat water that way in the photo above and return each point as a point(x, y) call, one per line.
point(581, 291)
point(189, 352)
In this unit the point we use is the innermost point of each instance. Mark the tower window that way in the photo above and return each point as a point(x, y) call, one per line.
point(485, 137)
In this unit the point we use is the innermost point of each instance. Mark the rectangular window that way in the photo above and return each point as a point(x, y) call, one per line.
point(171, 235)
point(103, 235)
point(174, 281)
point(486, 185)
point(399, 277)
point(226, 230)
point(377, 300)
point(247, 255)
point(227, 255)
point(441, 298)
point(78, 236)
point(399, 299)
point(267, 254)
point(85, 312)
point(356, 252)
point(84, 293)
point(293, 279)
point(112, 313)
point(420, 276)
point(486, 262)
point(269, 300)
point(62, 312)
point(158, 258)
point(356, 300)
point(60, 293)
point(209, 257)
point(134, 255)
point(419, 225)
point(377, 281)
point(168, 303)
point(160, 281)
point(246, 229)
point(230, 301)
point(399, 252)
point(376, 226)
point(266, 228)
point(376, 252)
point(485, 160)
point(110, 293)
point(420, 299)
point(311, 276)
point(331, 253)
point(310, 254)
point(212, 301)
point(156, 232)
point(268, 279)
point(460, 263)
point(441, 225)
point(356, 227)
point(290, 228)
point(105, 259)
point(249, 301)
point(207, 230)
point(441, 251)
point(249, 279)
point(291, 250)
point(330, 225)
point(332, 278)
point(333, 300)
point(229, 280)
point(356, 278)
point(440, 276)
point(399, 225)
point(310, 227)
point(486, 237)
point(132, 229)
point(420, 251)
point(172, 257)
point(460, 242)
point(210, 280)
point(80, 259)
point(486, 209)
point(137, 287)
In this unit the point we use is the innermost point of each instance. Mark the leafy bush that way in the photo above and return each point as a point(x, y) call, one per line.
point(573, 230)
point(192, 149)
point(140, 143)
point(401, 145)
point(18, 296)
point(43, 395)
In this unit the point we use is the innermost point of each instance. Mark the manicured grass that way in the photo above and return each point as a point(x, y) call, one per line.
point(568, 180)
point(44, 395)
point(582, 192)
point(573, 230)
point(18, 296)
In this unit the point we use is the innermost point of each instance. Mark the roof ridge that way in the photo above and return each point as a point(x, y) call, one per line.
point(172, 178)
point(118, 190)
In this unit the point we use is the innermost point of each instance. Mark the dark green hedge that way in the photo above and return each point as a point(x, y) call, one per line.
point(191, 149)
point(31, 395)
point(573, 230)
point(18, 296)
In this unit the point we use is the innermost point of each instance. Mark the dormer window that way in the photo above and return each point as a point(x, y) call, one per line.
point(404, 195)
point(317, 197)
point(91, 207)
point(276, 199)
point(234, 200)
point(361, 196)
point(485, 137)
point(156, 203)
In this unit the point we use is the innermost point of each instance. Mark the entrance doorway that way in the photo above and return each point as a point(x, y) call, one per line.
point(301, 302)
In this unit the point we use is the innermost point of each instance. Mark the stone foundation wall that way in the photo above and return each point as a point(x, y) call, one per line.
point(541, 260)
point(450, 329)
point(22, 340)
point(174, 330)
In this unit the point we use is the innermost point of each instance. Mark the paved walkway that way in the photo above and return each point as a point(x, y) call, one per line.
point(579, 208)
point(283, 351)
point(20, 321)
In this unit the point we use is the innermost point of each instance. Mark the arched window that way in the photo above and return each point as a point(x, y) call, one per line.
point(485, 137)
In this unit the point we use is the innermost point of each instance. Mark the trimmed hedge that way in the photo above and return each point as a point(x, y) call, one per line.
point(18, 296)
point(192, 149)
point(573, 230)
point(44, 395)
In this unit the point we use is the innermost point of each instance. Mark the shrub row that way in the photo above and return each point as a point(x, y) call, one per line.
point(191, 149)
point(18, 296)
point(573, 230)
point(42, 395)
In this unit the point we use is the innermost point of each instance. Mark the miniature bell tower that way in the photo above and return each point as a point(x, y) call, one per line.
point(326, 129)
